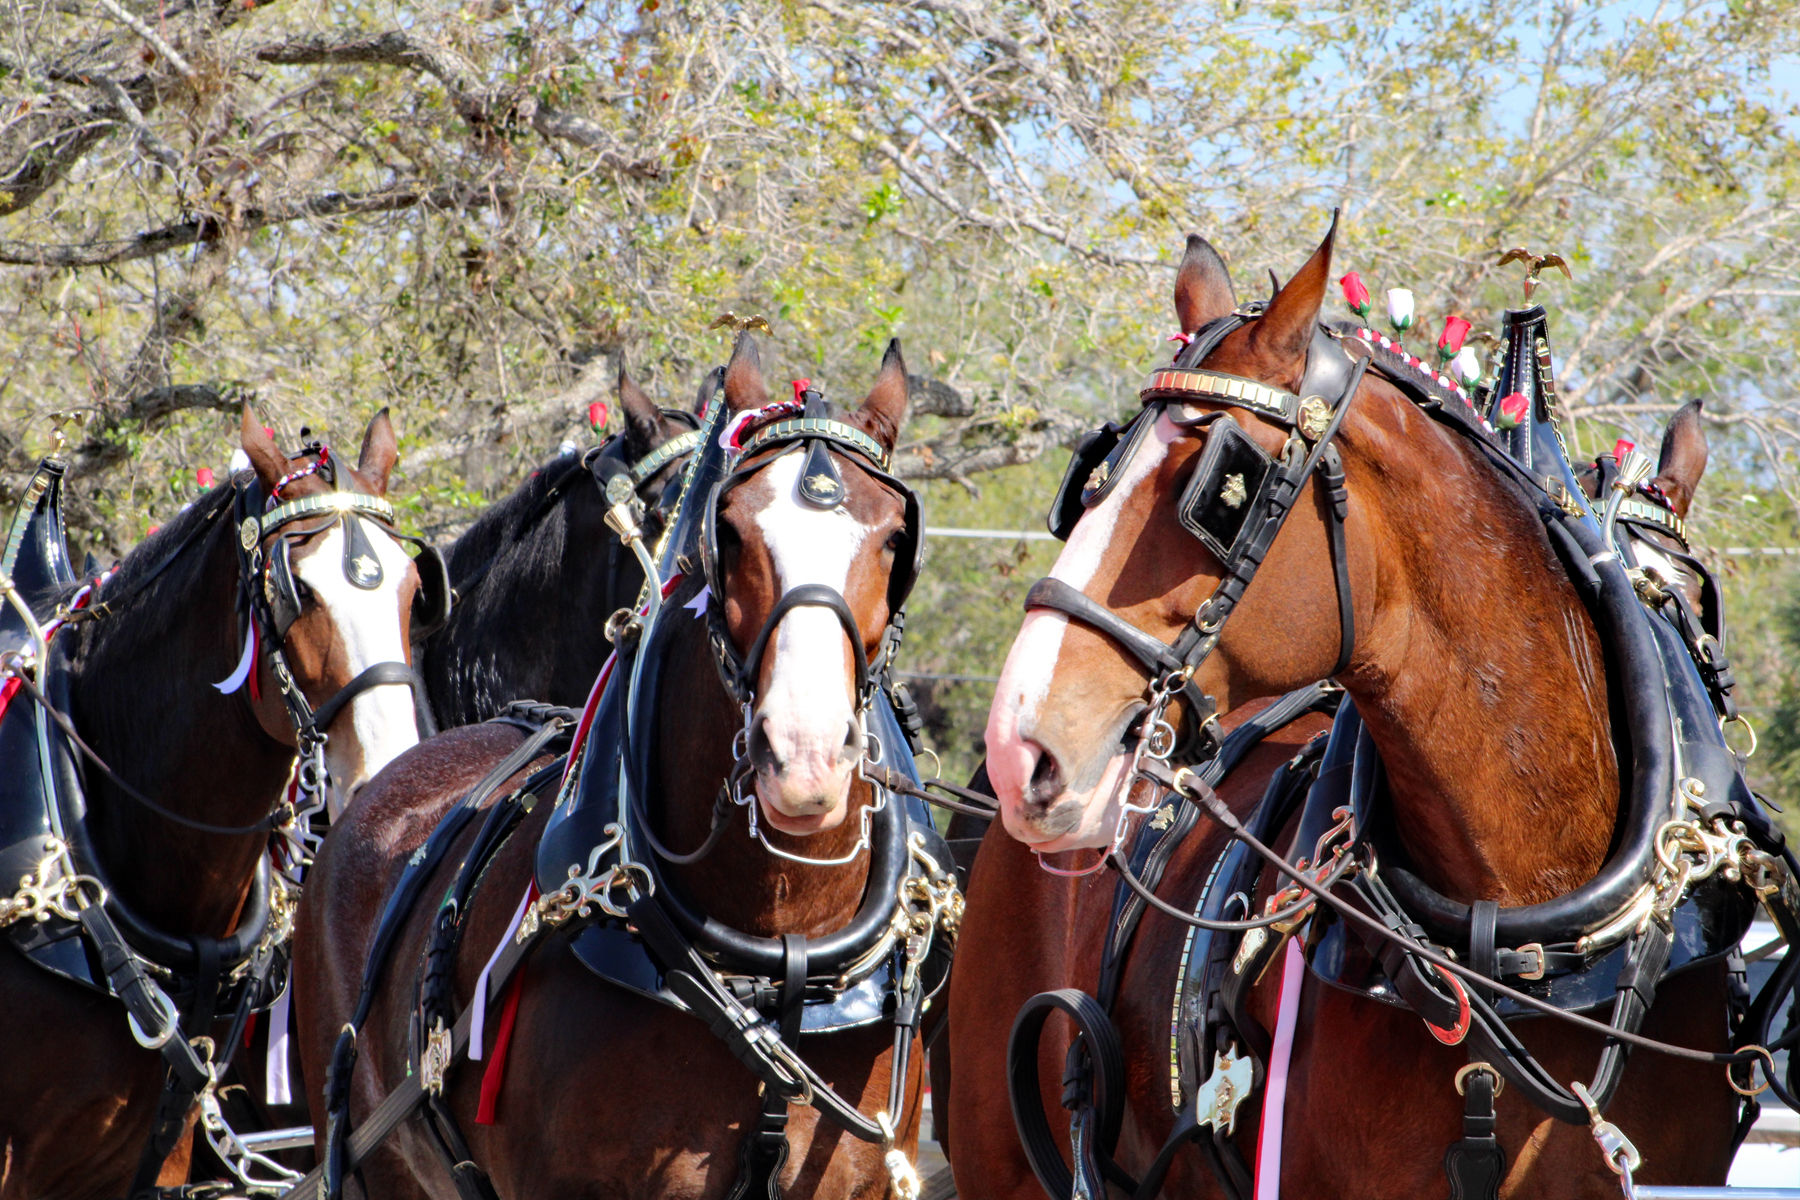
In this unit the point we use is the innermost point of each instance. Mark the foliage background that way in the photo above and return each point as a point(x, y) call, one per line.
point(473, 212)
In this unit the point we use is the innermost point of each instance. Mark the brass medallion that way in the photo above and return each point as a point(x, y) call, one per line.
point(249, 533)
point(1315, 418)
point(1097, 478)
point(1233, 494)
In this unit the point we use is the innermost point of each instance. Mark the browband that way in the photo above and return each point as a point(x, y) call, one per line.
point(1189, 383)
point(657, 459)
point(254, 528)
point(1644, 512)
point(795, 428)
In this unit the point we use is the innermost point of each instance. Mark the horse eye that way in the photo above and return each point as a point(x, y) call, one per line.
point(894, 540)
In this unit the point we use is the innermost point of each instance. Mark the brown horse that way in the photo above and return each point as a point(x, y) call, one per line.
point(606, 1092)
point(176, 825)
point(1480, 676)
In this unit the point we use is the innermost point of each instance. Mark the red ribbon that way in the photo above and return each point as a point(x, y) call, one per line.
point(7, 691)
point(800, 386)
point(495, 1076)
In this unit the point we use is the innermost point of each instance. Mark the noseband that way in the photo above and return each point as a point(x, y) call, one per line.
point(1236, 504)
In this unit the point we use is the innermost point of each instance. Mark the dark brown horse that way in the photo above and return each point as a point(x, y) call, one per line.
point(606, 1092)
point(533, 570)
point(176, 825)
point(1480, 676)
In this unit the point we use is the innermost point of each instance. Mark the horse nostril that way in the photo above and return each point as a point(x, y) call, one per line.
point(762, 753)
point(853, 742)
point(1046, 782)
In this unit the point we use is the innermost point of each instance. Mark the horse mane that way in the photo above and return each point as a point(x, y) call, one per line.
point(146, 582)
point(521, 535)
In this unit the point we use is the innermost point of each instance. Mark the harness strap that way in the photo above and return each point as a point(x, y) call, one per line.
point(1476, 1164)
point(379, 675)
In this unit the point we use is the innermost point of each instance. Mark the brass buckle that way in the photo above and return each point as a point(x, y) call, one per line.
point(1536, 948)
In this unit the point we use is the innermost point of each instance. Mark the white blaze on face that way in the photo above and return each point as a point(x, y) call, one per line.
point(807, 704)
point(1032, 662)
point(381, 722)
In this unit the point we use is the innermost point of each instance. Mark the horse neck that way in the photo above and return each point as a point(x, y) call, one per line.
point(1482, 681)
point(142, 697)
point(740, 883)
point(527, 629)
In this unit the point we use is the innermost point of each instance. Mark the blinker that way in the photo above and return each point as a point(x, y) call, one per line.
point(1231, 471)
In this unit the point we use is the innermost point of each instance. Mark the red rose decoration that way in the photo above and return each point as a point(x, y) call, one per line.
point(597, 415)
point(1355, 294)
point(1512, 411)
point(1622, 447)
point(204, 477)
point(1455, 330)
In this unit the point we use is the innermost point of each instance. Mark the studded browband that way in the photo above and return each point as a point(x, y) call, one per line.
point(793, 428)
point(1645, 512)
point(255, 528)
point(1311, 415)
point(657, 459)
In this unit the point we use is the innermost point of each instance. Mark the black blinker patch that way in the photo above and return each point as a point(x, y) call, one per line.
point(1226, 488)
point(280, 589)
point(362, 567)
point(820, 482)
point(1090, 453)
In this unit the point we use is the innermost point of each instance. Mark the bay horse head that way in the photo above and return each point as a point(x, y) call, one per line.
point(1276, 513)
point(339, 598)
point(812, 549)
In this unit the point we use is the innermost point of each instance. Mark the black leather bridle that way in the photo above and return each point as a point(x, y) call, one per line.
point(1264, 488)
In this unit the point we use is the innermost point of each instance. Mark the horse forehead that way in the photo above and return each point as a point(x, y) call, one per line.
point(1086, 549)
point(320, 565)
point(807, 543)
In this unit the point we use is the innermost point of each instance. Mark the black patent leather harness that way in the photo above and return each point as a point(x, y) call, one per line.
point(1264, 489)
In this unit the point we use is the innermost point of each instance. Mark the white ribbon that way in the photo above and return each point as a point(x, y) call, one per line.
point(242, 672)
point(276, 1083)
point(697, 605)
point(478, 1017)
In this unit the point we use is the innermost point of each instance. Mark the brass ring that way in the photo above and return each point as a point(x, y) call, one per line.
point(1463, 1074)
point(1768, 1058)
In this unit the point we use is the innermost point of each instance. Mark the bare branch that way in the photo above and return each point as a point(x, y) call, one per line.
point(456, 197)
point(150, 35)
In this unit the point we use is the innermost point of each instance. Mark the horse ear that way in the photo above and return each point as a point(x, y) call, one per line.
point(379, 452)
point(744, 388)
point(715, 379)
point(1285, 329)
point(266, 458)
point(1202, 286)
point(885, 407)
point(1683, 457)
point(643, 420)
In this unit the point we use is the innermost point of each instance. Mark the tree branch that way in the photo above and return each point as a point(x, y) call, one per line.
point(458, 197)
point(475, 103)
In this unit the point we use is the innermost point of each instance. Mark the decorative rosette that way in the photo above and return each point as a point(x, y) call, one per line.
point(1512, 411)
point(204, 477)
point(597, 416)
point(1355, 295)
point(1400, 309)
point(1466, 366)
point(1451, 342)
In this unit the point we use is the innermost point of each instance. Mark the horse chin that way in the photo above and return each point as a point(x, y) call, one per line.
point(802, 816)
point(1073, 820)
